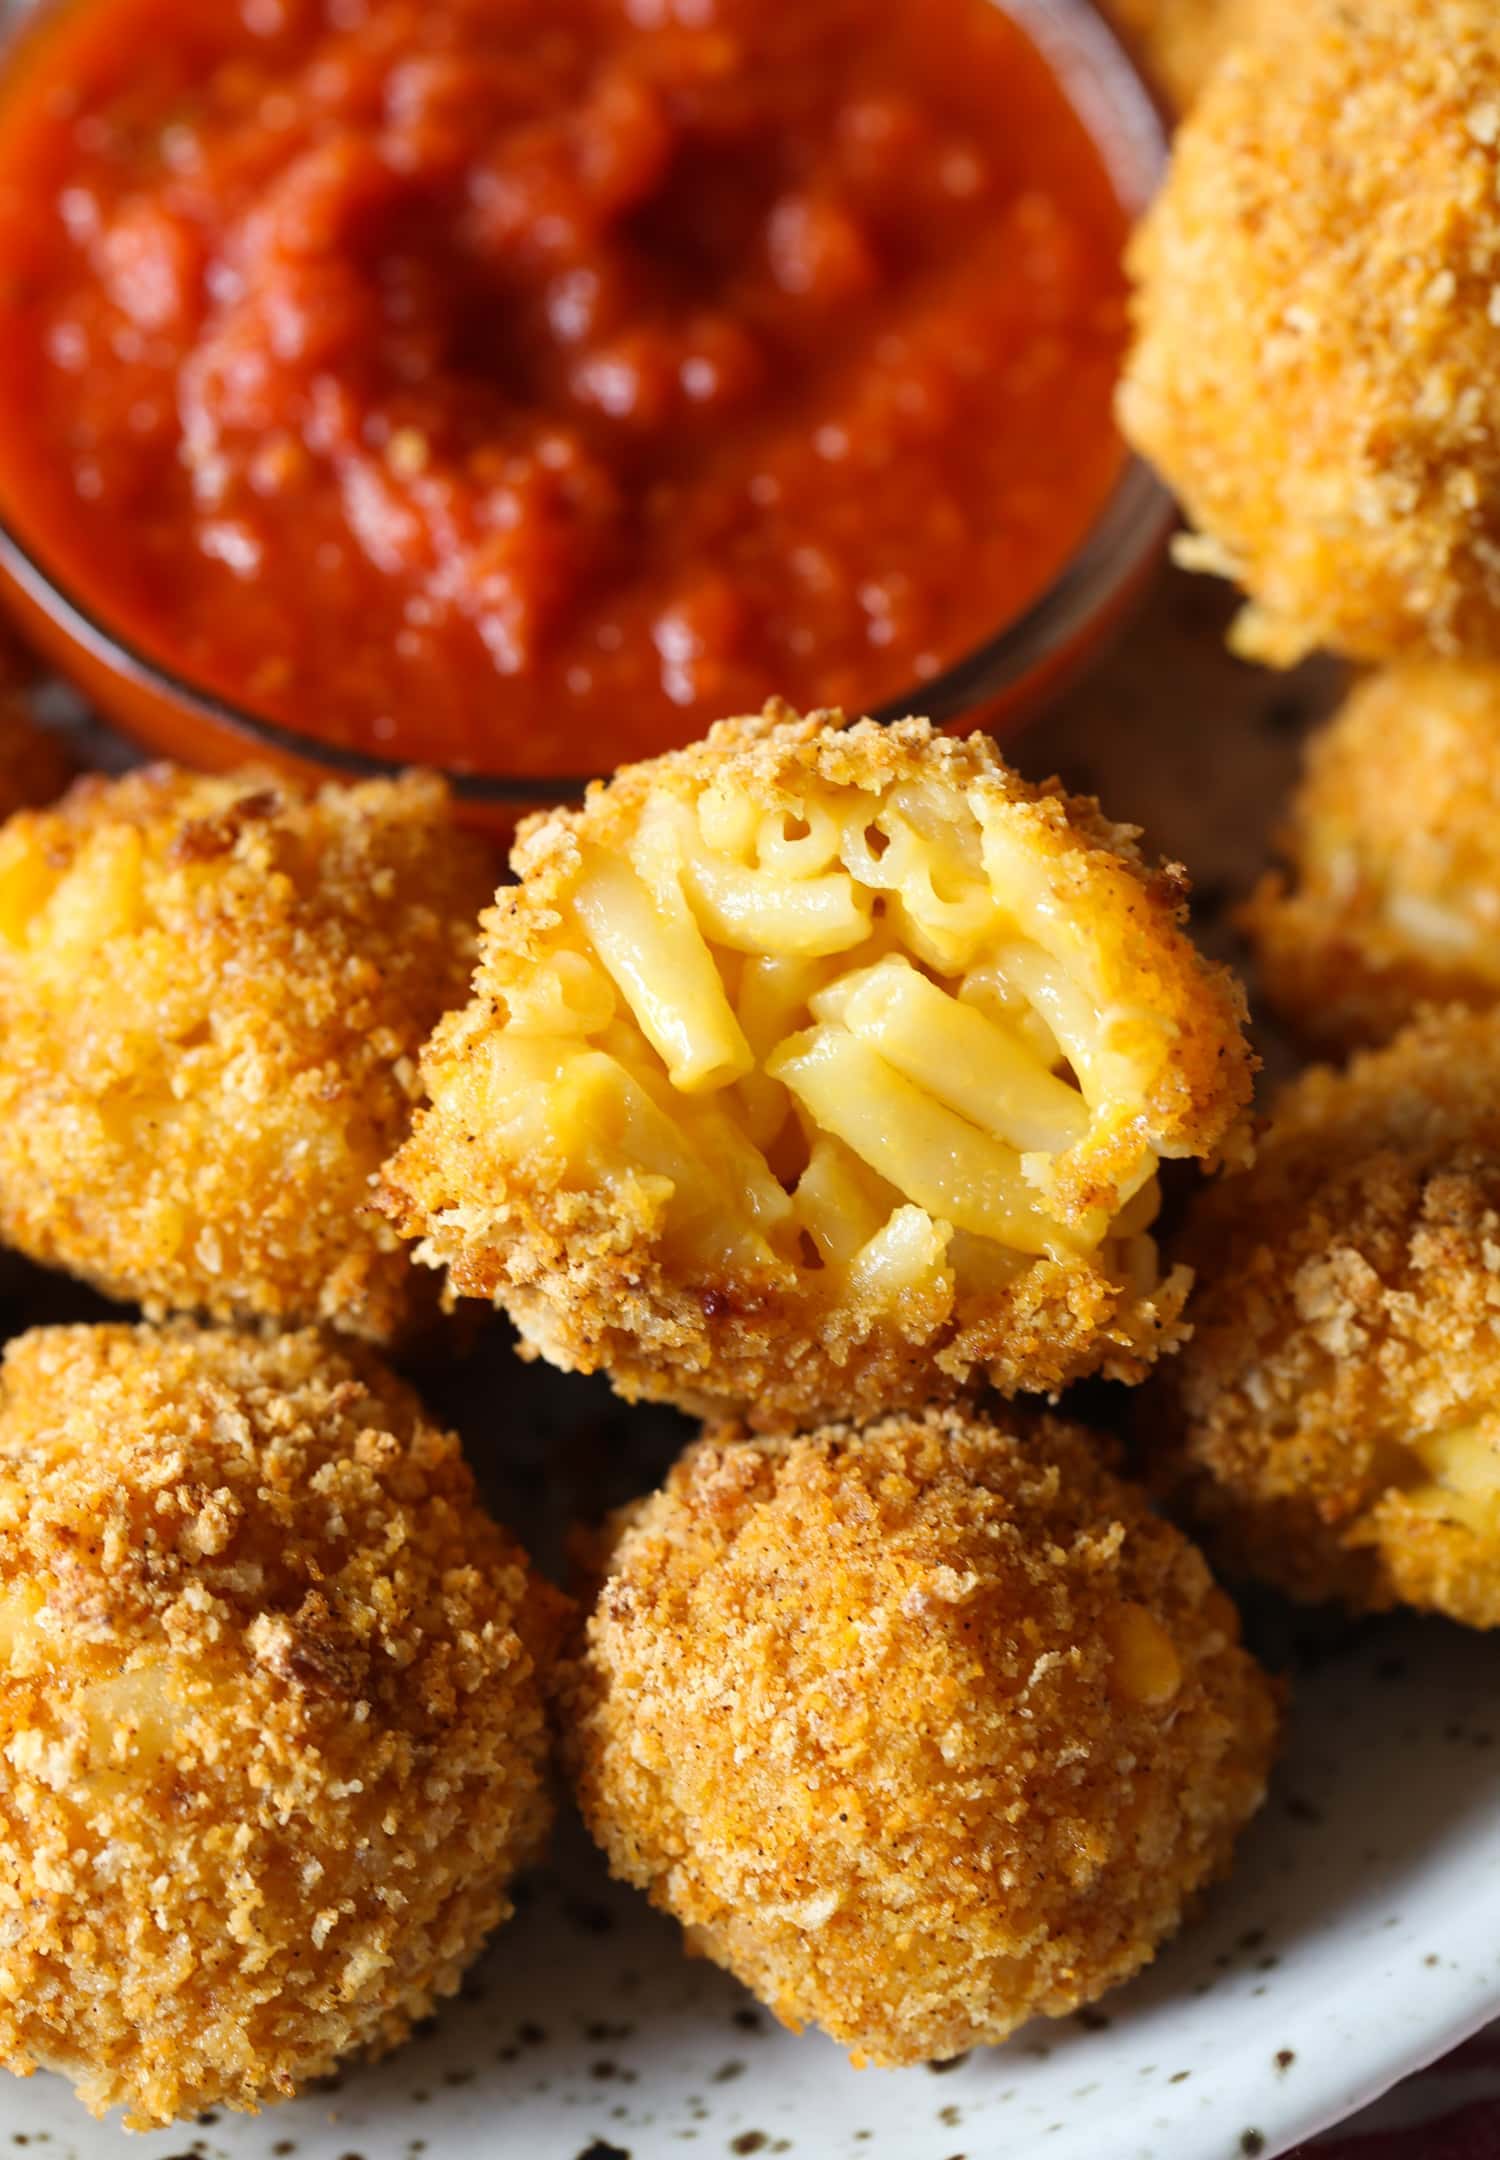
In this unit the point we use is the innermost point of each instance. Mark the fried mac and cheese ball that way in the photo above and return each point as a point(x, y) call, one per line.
point(212, 996)
point(819, 1069)
point(1392, 895)
point(921, 1730)
point(272, 1741)
point(1317, 364)
point(1334, 1422)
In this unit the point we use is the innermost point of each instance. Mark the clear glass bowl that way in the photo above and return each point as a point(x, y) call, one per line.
point(998, 685)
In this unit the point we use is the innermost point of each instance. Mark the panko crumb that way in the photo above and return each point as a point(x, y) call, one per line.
point(213, 991)
point(1316, 370)
point(1334, 1422)
point(720, 1246)
point(921, 1730)
point(1391, 895)
point(272, 1738)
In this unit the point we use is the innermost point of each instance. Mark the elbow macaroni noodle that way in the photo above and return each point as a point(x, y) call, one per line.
point(857, 1036)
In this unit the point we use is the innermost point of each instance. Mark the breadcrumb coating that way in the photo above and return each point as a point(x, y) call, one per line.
point(1183, 41)
point(1334, 1423)
point(1317, 362)
point(921, 1730)
point(1392, 895)
point(272, 1740)
point(816, 1224)
point(212, 996)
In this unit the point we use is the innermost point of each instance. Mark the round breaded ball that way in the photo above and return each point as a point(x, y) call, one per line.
point(816, 1070)
point(272, 1741)
point(1316, 370)
point(1391, 897)
point(213, 992)
point(1334, 1422)
point(921, 1730)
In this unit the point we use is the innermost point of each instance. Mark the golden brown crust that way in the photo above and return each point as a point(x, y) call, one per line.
point(1334, 1423)
point(272, 1741)
point(212, 995)
point(582, 1262)
point(921, 1731)
point(1317, 364)
point(1392, 895)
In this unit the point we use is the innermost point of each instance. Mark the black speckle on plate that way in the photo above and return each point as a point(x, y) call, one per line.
point(749, 2141)
point(941, 2069)
point(1252, 2143)
point(1284, 2058)
point(727, 2072)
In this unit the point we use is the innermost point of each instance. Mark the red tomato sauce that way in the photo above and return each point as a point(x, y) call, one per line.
point(520, 384)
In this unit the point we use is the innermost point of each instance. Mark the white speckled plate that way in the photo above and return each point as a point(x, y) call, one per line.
point(1357, 1941)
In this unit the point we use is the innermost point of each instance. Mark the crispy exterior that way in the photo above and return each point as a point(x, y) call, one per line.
point(1317, 364)
point(581, 1268)
point(1392, 897)
point(1334, 1422)
point(921, 1731)
point(271, 1741)
point(212, 995)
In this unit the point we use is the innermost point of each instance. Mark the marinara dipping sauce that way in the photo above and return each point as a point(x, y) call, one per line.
point(520, 384)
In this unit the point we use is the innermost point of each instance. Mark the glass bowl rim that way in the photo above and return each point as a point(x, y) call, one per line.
point(1126, 124)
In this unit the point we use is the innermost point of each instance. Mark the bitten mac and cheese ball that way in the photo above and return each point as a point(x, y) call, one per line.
point(212, 996)
point(818, 1070)
point(1317, 364)
point(1392, 894)
point(1334, 1422)
point(272, 1741)
point(921, 1731)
